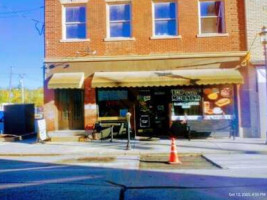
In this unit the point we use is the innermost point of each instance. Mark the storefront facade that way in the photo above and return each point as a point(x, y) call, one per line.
point(160, 60)
point(171, 97)
point(256, 18)
point(208, 98)
point(154, 109)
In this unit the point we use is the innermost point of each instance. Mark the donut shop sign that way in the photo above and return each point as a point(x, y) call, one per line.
point(186, 95)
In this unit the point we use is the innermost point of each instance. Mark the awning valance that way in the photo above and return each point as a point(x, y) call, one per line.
point(166, 78)
point(66, 80)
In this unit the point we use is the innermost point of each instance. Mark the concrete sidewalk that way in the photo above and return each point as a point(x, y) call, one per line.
point(118, 147)
point(227, 153)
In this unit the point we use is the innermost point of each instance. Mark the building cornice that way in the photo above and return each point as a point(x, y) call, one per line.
point(146, 57)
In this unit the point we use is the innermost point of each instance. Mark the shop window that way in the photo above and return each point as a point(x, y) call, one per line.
point(212, 17)
point(75, 22)
point(218, 102)
point(113, 103)
point(165, 19)
point(186, 101)
point(119, 20)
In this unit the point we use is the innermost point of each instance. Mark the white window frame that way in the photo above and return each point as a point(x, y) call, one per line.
point(64, 23)
point(200, 17)
point(154, 36)
point(108, 22)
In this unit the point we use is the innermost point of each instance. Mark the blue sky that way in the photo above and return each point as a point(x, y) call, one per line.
point(21, 45)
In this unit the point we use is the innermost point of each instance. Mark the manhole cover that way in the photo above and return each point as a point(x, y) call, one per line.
point(189, 161)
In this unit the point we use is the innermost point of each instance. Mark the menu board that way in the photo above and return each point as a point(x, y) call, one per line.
point(218, 100)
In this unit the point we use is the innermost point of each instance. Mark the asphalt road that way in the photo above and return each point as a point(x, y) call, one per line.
point(24, 180)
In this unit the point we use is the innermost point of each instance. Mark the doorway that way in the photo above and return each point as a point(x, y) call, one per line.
point(152, 111)
point(70, 109)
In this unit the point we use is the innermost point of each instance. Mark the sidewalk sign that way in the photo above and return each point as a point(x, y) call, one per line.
point(41, 130)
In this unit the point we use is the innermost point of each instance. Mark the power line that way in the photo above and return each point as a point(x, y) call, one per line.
point(21, 11)
point(40, 30)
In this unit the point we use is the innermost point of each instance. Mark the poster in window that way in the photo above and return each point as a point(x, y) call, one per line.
point(218, 100)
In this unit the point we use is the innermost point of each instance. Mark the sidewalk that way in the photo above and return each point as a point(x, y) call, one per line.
point(227, 153)
point(118, 147)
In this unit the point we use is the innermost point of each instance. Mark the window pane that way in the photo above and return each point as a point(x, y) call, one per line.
point(165, 10)
point(75, 14)
point(111, 95)
point(120, 29)
point(212, 25)
point(165, 27)
point(76, 31)
point(119, 12)
point(211, 8)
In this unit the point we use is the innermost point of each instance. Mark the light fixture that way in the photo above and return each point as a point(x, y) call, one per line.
point(263, 35)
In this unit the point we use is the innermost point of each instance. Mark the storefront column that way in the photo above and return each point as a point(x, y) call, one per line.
point(90, 106)
point(50, 109)
point(240, 128)
point(262, 100)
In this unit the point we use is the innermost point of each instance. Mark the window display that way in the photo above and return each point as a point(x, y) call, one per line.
point(218, 102)
point(112, 102)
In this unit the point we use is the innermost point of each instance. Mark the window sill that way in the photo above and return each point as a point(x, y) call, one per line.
point(119, 39)
point(165, 37)
point(73, 1)
point(112, 1)
point(213, 35)
point(75, 40)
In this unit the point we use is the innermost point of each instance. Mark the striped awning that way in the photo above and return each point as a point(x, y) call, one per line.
point(66, 81)
point(166, 78)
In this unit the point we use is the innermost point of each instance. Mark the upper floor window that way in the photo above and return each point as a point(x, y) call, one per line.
point(119, 20)
point(75, 22)
point(165, 23)
point(212, 17)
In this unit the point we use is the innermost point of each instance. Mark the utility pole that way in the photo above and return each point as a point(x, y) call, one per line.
point(21, 81)
point(10, 85)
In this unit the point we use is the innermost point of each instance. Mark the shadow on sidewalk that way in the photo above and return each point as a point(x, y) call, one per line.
point(38, 181)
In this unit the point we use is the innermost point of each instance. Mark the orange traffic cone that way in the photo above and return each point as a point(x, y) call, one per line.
point(173, 155)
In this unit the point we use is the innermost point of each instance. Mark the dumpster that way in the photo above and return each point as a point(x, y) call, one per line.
point(1, 121)
point(19, 119)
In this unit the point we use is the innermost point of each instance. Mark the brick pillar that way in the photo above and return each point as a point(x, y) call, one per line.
point(50, 109)
point(90, 106)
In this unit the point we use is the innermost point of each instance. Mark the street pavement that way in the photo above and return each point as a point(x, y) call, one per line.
point(44, 171)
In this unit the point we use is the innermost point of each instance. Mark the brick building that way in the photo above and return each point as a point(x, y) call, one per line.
point(161, 60)
point(256, 18)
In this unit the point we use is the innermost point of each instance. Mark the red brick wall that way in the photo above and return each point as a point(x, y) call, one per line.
point(142, 31)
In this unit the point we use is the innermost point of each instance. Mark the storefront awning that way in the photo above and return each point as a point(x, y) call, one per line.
point(166, 78)
point(66, 80)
